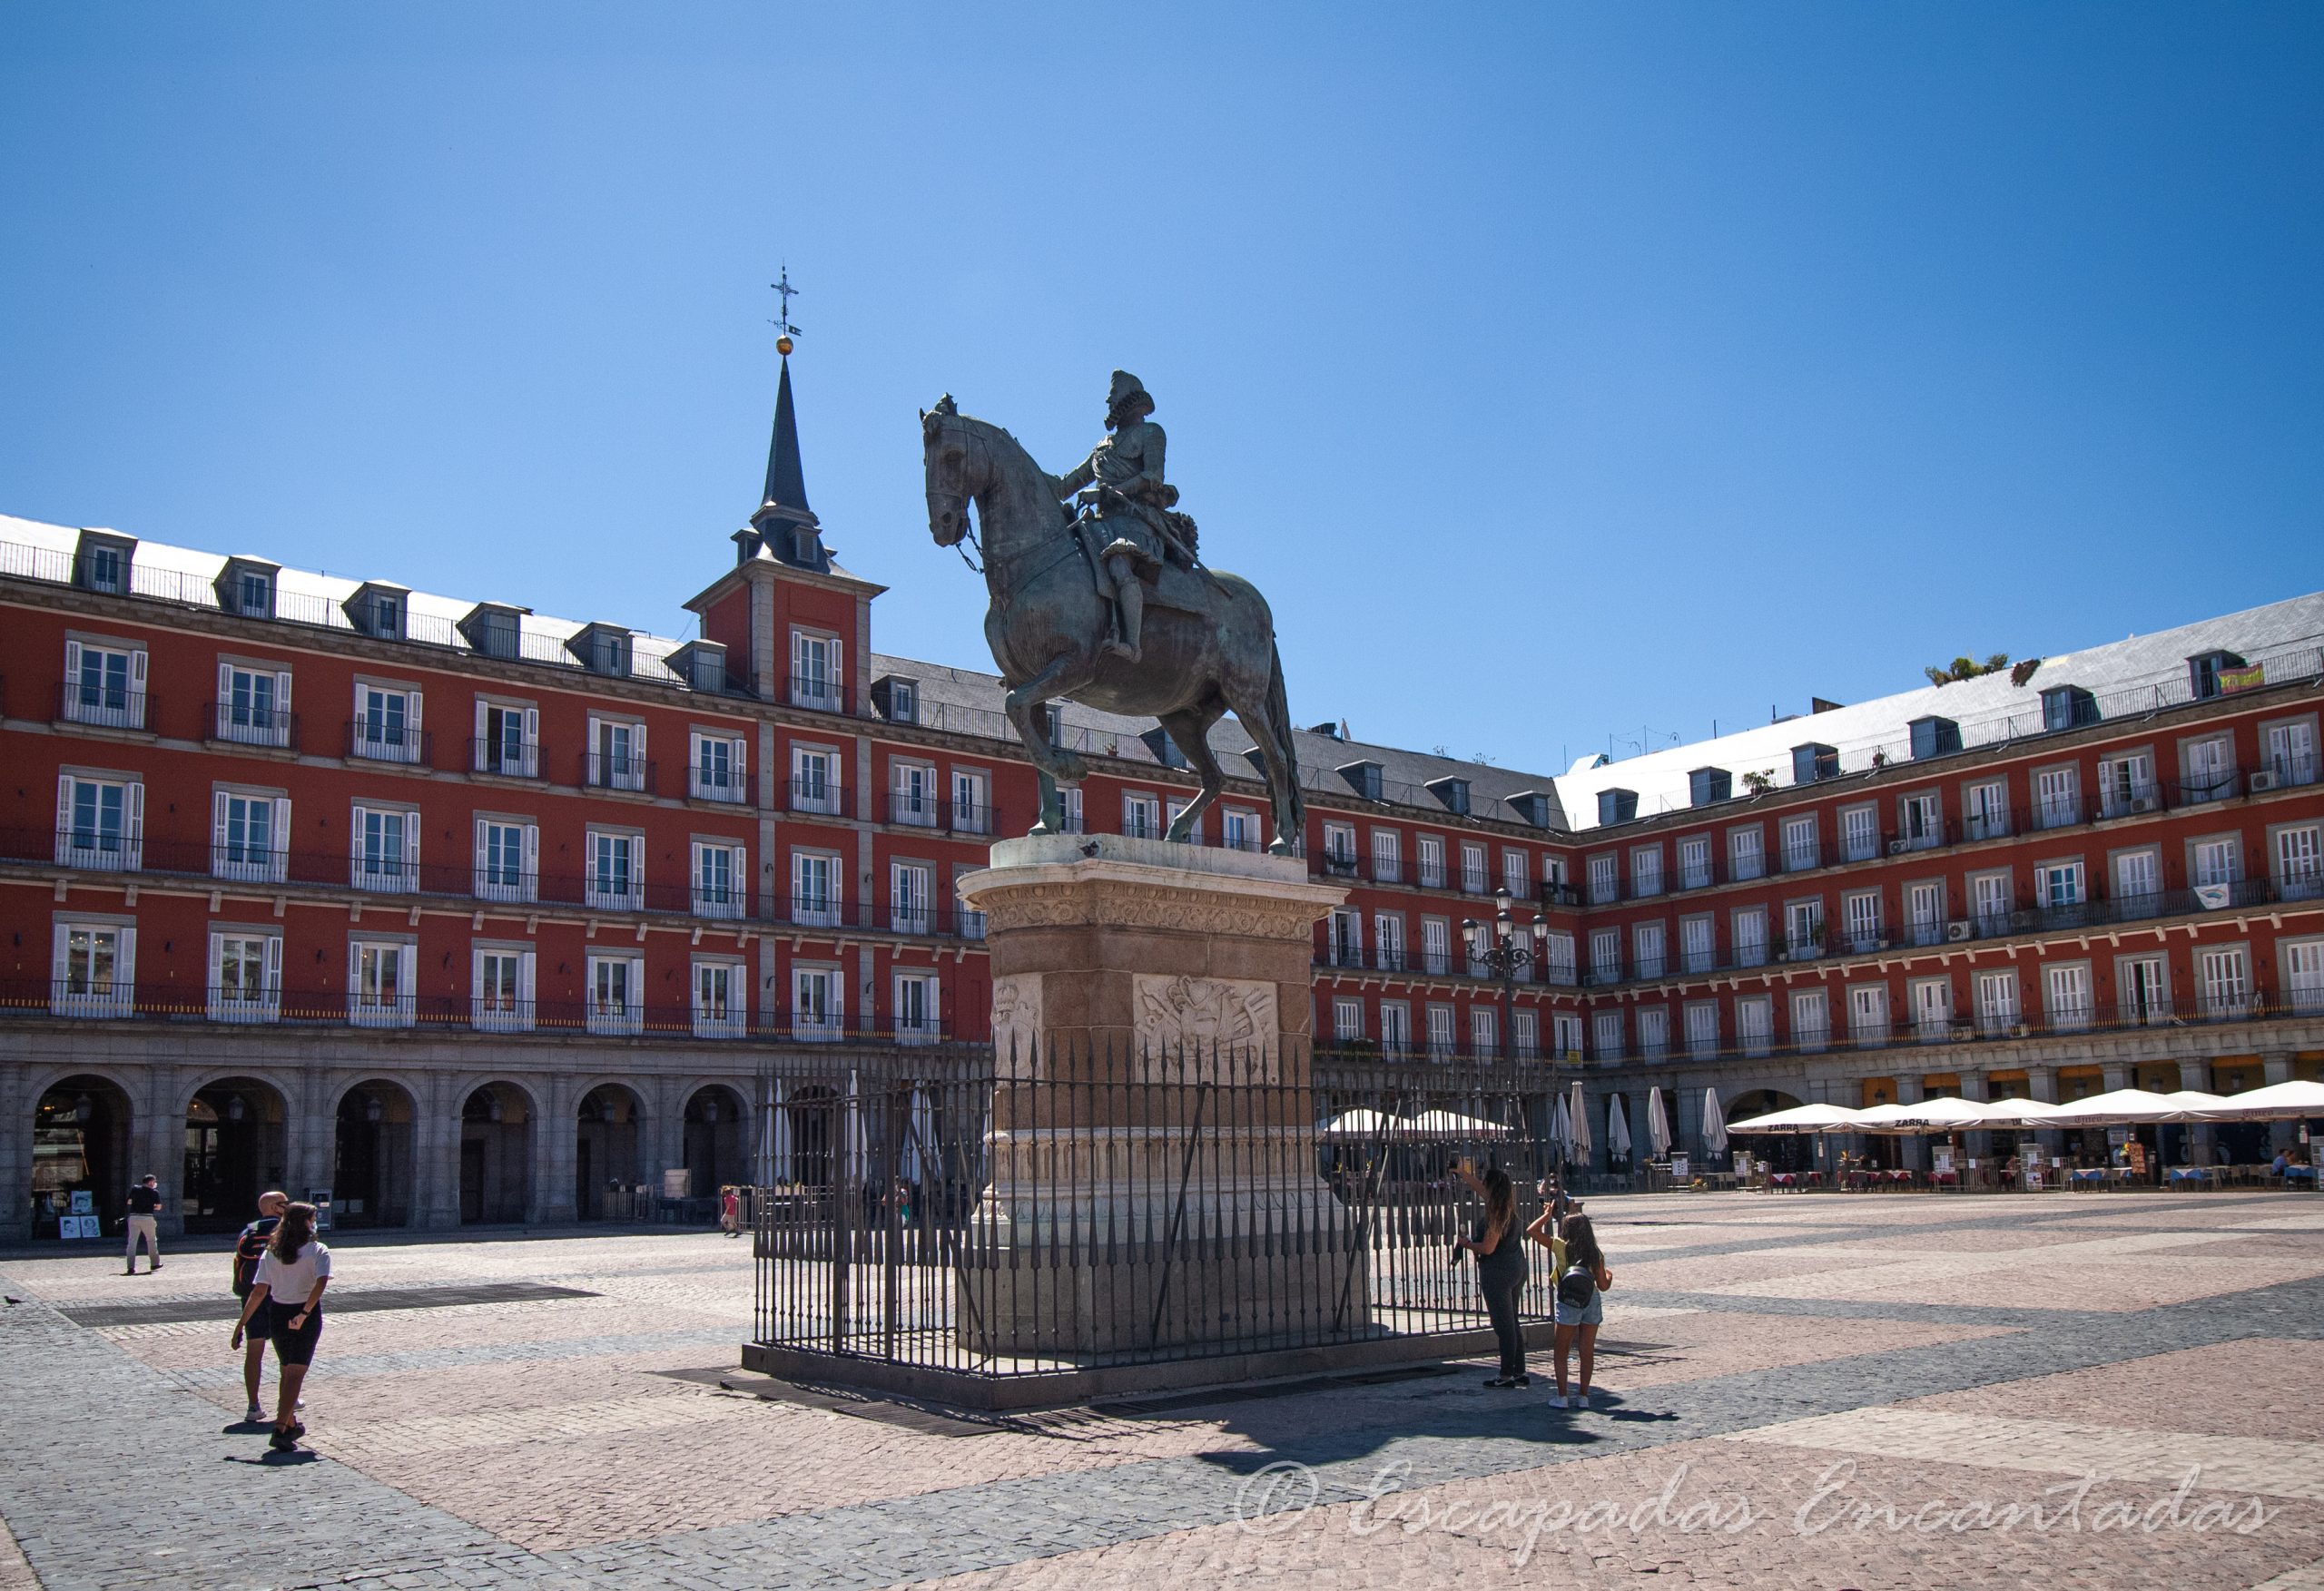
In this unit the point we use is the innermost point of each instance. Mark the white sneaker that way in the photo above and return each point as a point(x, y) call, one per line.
point(298, 1403)
point(1578, 1400)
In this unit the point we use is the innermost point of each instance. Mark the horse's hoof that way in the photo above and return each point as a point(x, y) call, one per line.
point(1072, 769)
point(1279, 847)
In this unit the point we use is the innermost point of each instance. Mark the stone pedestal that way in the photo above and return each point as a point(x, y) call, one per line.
point(1154, 1175)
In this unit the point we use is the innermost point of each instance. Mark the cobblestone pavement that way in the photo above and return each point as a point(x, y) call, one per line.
point(1823, 1390)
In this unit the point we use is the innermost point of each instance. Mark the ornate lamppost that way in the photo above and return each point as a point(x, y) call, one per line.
point(1504, 946)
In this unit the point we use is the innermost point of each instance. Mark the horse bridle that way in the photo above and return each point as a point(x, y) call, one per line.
point(968, 529)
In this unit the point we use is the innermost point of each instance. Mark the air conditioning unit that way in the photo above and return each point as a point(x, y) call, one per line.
point(1896, 848)
point(1958, 932)
point(2263, 781)
point(2145, 804)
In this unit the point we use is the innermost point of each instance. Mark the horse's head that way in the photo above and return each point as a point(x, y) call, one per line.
point(946, 449)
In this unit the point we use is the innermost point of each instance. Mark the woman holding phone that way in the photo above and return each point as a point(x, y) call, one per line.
point(1499, 1248)
point(286, 1304)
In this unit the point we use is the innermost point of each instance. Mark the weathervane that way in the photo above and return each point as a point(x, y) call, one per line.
point(784, 330)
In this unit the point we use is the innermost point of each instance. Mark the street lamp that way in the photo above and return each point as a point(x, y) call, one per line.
point(1504, 947)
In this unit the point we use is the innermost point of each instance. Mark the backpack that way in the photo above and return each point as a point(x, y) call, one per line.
point(1576, 1288)
point(248, 1249)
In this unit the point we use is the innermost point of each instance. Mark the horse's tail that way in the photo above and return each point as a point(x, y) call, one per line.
point(1295, 823)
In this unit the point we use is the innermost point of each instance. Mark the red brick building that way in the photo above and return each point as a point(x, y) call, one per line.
point(472, 915)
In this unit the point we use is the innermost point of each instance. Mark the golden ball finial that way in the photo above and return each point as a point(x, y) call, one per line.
point(783, 346)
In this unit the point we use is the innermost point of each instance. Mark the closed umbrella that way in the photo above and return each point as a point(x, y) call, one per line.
point(1658, 1125)
point(922, 1128)
point(1578, 1126)
point(1714, 1122)
point(1618, 1129)
point(854, 1156)
point(778, 1139)
point(1561, 1130)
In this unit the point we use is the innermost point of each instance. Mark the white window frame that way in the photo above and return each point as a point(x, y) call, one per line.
point(489, 1011)
point(818, 670)
point(374, 733)
point(1748, 925)
point(1859, 832)
point(128, 854)
point(223, 1005)
point(1517, 874)
point(1525, 1034)
point(613, 993)
point(1142, 819)
point(606, 888)
point(1649, 949)
point(807, 909)
point(707, 857)
point(1238, 828)
point(1645, 871)
point(1428, 856)
point(616, 756)
point(2125, 779)
point(398, 877)
point(1485, 1031)
point(822, 791)
point(912, 802)
point(1985, 807)
point(1995, 992)
point(1697, 941)
point(1869, 1019)
point(907, 876)
point(971, 808)
point(2223, 980)
point(926, 1024)
point(1388, 857)
point(1746, 853)
point(75, 994)
point(493, 754)
point(716, 981)
point(1802, 843)
point(1395, 1027)
point(1694, 862)
point(238, 860)
point(1604, 883)
point(378, 1005)
point(1606, 1037)
point(1700, 1020)
point(1860, 917)
point(1476, 876)
point(1652, 1023)
point(1811, 1020)
point(2057, 796)
point(2067, 1005)
point(1347, 1019)
point(1444, 1035)
point(2303, 980)
point(2298, 851)
point(490, 881)
point(828, 1006)
point(718, 766)
point(249, 722)
point(1754, 1024)
point(106, 705)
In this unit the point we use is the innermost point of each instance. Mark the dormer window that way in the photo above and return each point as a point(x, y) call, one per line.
point(378, 610)
point(2204, 669)
point(493, 628)
point(1453, 792)
point(102, 563)
point(1364, 778)
point(246, 586)
point(1708, 786)
point(1617, 806)
point(1811, 762)
point(1941, 737)
point(603, 649)
point(1166, 750)
point(254, 593)
point(2067, 707)
point(897, 699)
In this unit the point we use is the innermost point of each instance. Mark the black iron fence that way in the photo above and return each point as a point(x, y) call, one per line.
point(1078, 1211)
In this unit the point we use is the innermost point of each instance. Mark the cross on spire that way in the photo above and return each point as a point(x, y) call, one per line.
point(785, 331)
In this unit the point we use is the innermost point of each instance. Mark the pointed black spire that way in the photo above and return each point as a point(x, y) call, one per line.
point(786, 482)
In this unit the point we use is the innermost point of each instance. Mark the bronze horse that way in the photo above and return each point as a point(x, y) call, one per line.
point(1208, 649)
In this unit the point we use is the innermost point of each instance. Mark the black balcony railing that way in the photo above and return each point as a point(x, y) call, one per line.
point(103, 706)
point(617, 770)
point(2204, 788)
point(379, 741)
point(818, 795)
point(501, 757)
point(728, 786)
point(254, 726)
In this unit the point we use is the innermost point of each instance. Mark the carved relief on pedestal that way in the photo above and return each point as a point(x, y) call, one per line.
point(1205, 1013)
point(1016, 1023)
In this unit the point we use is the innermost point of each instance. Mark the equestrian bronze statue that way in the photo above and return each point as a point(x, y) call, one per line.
point(1106, 601)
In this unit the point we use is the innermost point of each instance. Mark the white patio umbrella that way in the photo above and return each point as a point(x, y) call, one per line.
point(2278, 1102)
point(1446, 1124)
point(2137, 1108)
point(1714, 1122)
point(1658, 1125)
point(1364, 1123)
point(1618, 1129)
point(1799, 1118)
point(1578, 1129)
point(1926, 1115)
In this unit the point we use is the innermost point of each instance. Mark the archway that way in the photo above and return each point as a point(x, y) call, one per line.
point(1781, 1150)
point(235, 1144)
point(371, 1165)
point(495, 1155)
point(802, 1152)
point(716, 1147)
point(80, 1153)
point(604, 1155)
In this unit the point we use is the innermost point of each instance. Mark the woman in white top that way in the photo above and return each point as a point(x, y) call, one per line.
point(286, 1304)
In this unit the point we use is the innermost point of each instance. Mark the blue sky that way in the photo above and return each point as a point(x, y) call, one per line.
point(1560, 372)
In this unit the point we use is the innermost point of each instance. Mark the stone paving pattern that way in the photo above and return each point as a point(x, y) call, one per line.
point(1818, 1390)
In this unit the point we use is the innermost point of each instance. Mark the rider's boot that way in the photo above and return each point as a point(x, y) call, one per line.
point(1132, 601)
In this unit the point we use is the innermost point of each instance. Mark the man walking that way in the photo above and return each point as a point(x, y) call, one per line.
point(144, 1218)
point(248, 1249)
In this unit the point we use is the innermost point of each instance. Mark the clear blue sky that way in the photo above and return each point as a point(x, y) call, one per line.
point(1557, 370)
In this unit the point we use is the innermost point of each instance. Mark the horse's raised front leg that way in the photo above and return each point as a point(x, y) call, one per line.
point(1056, 764)
point(1189, 731)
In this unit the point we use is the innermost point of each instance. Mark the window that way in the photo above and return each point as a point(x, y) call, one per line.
point(1645, 870)
point(1996, 994)
point(1474, 881)
point(1645, 949)
point(2138, 885)
point(1924, 912)
point(1441, 1042)
point(1344, 936)
point(616, 759)
point(1241, 828)
point(102, 569)
point(1606, 1035)
point(245, 975)
point(814, 780)
point(1525, 1034)
point(617, 993)
point(816, 672)
point(919, 1008)
point(903, 704)
point(104, 685)
point(1653, 1032)
point(1868, 1013)
point(250, 836)
point(2142, 981)
point(1388, 941)
point(2300, 862)
point(971, 801)
point(1557, 957)
point(720, 872)
point(2057, 796)
point(1565, 1035)
point(1517, 874)
point(2125, 785)
point(911, 897)
point(1142, 820)
point(254, 593)
point(2066, 995)
point(385, 844)
point(2291, 752)
point(1800, 851)
point(1803, 928)
point(1989, 806)
point(1922, 819)
point(1861, 911)
point(1069, 800)
point(1695, 944)
point(2217, 861)
point(386, 727)
point(1702, 1028)
point(1347, 1020)
point(814, 888)
point(1388, 857)
point(1750, 926)
point(1932, 1004)
point(1605, 956)
point(1395, 1027)
point(1430, 850)
point(722, 999)
point(2226, 975)
point(1435, 944)
point(1745, 858)
point(2210, 769)
point(2304, 976)
point(1811, 1020)
point(1485, 1031)
point(508, 740)
point(100, 821)
point(1859, 834)
point(2058, 884)
point(1990, 896)
point(818, 1001)
point(911, 794)
point(614, 881)
point(382, 982)
point(1754, 1024)
point(92, 970)
point(253, 705)
point(502, 998)
point(1694, 862)
point(508, 859)
point(1601, 880)
point(714, 768)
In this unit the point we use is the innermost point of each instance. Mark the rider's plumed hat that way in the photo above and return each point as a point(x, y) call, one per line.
point(1127, 390)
